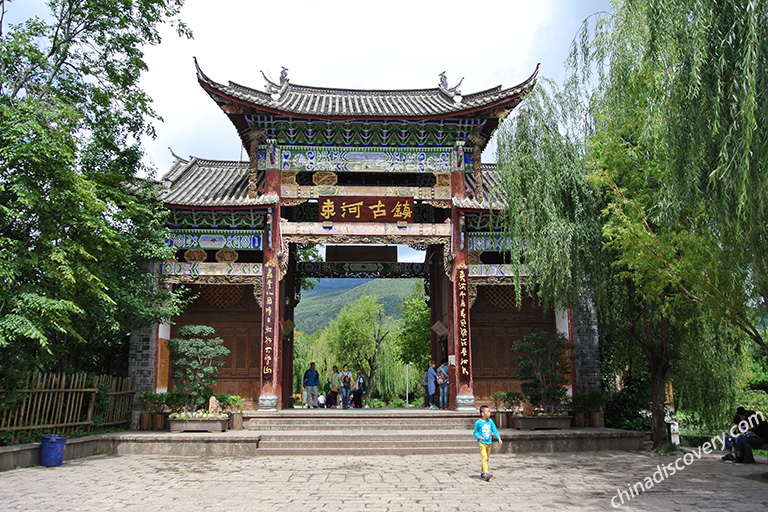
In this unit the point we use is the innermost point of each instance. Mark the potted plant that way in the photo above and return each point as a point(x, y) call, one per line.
point(154, 418)
point(498, 403)
point(196, 356)
point(512, 401)
point(590, 404)
point(543, 363)
point(233, 406)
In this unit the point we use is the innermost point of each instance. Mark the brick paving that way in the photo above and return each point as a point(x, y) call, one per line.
point(584, 481)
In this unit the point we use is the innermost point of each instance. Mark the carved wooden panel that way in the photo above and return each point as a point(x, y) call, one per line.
point(240, 327)
point(493, 330)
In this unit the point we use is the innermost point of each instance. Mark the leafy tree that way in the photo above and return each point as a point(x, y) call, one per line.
point(414, 337)
point(357, 336)
point(604, 144)
point(196, 357)
point(78, 228)
point(543, 365)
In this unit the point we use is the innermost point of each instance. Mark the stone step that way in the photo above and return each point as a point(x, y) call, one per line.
point(388, 445)
point(357, 422)
point(390, 436)
point(350, 425)
point(364, 452)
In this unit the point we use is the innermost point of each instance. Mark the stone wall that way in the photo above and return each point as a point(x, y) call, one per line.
point(587, 348)
point(141, 358)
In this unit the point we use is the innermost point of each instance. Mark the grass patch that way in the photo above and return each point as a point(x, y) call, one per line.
point(666, 448)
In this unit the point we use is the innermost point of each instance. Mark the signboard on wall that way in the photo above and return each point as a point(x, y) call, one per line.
point(365, 209)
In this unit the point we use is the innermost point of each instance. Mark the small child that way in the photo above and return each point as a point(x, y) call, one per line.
point(485, 429)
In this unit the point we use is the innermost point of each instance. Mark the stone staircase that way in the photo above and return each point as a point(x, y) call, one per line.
point(364, 432)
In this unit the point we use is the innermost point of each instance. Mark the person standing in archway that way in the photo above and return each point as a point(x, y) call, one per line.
point(360, 389)
point(345, 382)
point(311, 382)
point(333, 395)
point(432, 385)
point(442, 384)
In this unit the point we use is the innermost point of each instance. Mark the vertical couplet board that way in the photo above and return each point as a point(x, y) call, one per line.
point(464, 363)
point(268, 342)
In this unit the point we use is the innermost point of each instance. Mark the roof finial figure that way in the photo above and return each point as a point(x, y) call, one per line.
point(453, 91)
point(443, 81)
point(274, 88)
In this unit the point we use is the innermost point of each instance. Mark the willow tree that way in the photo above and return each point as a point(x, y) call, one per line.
point(714, 54)
point(594, 198)
point(682, 156)
point(357, 337)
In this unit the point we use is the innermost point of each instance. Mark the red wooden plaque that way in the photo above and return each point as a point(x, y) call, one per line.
point(366, 209)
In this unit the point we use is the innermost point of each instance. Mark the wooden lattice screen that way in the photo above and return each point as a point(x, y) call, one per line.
point(222, 296)
point(503, 297)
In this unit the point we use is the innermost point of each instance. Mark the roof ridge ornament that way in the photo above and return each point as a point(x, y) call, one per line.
point(450, 91)
point(274, 89)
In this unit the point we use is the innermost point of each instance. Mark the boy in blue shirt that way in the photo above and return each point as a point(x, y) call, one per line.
point(485, 429)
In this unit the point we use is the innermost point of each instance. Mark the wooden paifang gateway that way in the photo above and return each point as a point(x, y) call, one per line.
point(351, 168)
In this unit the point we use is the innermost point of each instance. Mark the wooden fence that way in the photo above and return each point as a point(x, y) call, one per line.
point(62, 403)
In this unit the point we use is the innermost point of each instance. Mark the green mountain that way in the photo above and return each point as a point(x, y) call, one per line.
point(321, 305)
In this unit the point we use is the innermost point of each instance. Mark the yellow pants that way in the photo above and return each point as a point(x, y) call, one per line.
point(485, 453)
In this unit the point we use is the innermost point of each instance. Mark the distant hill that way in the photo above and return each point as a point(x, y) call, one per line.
point(321, 305)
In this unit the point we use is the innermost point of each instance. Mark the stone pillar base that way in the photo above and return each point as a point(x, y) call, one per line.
point(267, 403)
point(465, 403)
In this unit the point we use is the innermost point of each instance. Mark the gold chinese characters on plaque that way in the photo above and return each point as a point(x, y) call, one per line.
point(463, 321)
point(268, 343)
point(365, 209)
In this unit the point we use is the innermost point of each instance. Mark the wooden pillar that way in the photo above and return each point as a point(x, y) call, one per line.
point(459, 331)
point(272, 299)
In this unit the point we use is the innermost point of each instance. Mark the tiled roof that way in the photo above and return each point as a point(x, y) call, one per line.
point(493, 197)
point(219, 183)
point(300, 100)
point(198, 182)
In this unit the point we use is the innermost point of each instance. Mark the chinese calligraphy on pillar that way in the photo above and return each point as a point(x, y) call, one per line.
point(366, 209)
point(463, 322)
point(268, 317)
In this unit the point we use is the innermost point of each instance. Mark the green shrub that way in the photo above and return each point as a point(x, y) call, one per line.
point(196, 357)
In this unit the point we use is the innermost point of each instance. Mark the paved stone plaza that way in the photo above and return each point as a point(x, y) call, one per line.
point(569, 481)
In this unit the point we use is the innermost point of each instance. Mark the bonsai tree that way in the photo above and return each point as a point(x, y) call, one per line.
point(196, 355)
point(543, 363)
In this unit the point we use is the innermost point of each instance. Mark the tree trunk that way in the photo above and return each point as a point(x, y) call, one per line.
point(658, 400)
point(656, 345)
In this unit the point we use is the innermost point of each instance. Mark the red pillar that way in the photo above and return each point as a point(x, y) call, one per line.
point(459, 331)
point(272, 300)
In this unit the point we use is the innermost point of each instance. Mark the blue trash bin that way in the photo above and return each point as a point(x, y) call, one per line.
point(52, 450)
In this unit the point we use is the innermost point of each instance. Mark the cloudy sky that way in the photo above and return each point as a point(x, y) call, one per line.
point(345, 44)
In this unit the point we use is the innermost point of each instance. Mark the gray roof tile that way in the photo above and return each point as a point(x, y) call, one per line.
point(199, 182)
point(301, 100)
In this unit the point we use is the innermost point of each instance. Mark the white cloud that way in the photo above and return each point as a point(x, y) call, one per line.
point(398, 44)
point(345, 44)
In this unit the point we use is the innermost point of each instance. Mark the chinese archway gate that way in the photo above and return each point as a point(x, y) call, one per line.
point(349, 169)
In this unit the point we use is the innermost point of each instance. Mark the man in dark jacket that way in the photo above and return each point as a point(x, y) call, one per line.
point(311, 382)
point(754, 433)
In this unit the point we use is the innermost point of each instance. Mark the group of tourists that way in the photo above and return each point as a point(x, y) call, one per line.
point(341, 388)
point(750, 431)
point(435, 384)
point(345, 390)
